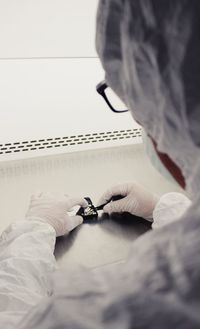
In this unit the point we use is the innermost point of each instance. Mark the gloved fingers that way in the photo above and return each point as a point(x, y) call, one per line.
point(76, 201)
point(113, 191)
point(116, 206)
point(59, 197)
point(73, 222)
point(45, 196)
point(73, 211)
point(55, 196)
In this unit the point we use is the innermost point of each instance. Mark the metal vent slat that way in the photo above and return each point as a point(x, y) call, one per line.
point(67, 141)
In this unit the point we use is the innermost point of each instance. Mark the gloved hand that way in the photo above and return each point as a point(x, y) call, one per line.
point(53, 209)
point(137, 201)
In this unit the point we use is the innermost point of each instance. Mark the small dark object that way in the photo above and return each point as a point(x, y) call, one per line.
point(89, 213)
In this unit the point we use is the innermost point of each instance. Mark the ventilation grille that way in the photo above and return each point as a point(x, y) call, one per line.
point(64, 142)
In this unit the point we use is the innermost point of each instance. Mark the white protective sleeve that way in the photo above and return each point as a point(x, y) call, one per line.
point(26, 262)
point(170, 207)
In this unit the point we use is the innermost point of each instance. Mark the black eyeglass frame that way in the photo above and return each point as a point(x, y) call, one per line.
point(100, 88)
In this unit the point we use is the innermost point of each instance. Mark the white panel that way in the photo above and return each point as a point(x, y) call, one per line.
point(43, 99)
point(49, 71)
point(54, 97)
point(47, 28)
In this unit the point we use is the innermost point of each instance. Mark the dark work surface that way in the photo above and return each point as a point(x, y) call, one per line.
point(123, 226)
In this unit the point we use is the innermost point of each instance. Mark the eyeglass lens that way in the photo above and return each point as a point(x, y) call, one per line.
point(114, 100)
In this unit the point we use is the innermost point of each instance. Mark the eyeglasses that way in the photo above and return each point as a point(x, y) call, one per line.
point(111, 99)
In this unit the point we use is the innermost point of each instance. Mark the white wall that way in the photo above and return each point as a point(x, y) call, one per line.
point(47, 28)
point(49, 71)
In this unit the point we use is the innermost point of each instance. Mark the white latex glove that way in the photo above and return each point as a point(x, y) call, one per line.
point(53, 209)
point(137, 201)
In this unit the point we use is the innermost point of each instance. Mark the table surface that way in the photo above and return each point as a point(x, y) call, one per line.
point(88, 173)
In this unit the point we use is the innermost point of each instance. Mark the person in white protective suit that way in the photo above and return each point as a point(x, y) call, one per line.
point(150, 51)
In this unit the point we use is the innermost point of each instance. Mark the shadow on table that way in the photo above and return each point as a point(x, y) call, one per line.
point(64, 243)
point(124, 226)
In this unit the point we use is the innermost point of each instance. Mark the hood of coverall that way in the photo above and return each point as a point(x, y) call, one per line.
point(150, 51)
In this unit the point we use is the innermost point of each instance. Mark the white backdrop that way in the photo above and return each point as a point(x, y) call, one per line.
point(49, 71)
point(47, 28)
